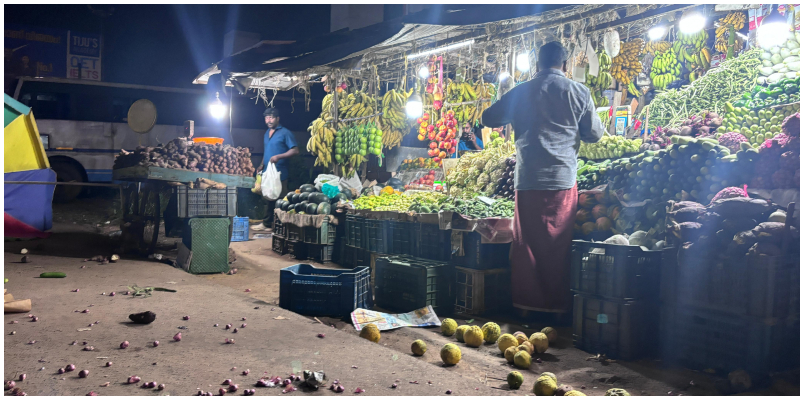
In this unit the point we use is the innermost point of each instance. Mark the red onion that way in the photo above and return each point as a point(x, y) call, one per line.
point(321, 335)
point(34, 319)
point(298, 378)
point(85, 312)
point(133, 379)
point(221, 391)
point(336, 382)
point(92, 394)
point(127, 293)
point(228, 326)
point(89, 348)
point(30, 315)
point(200, 393)
point(70, 367)
point(108, 363)
point(177, 337)
point(249, 392)
point(124, 345)
point(32, 342)
point(243, 326)
point(248, 290)
point(449, 391)
point(287, 382)
point(97, 322)
point(186, 317)
point(10, 385)
point(393, 386)
point(246, 372)
point(229, 341)
point(233, 388)
point(156, 343)
point(339, 389)
point(83, 374)
point(227, 382)
point(215, 325)
point(76, 290)
point(83, 266)
point(14, 322)
point(262, 383)
point(161, 386)
point(91, 325)
point(111, 294)
point(235, 330)
point(23, 376)
point(244, 318)
point(150, 385)
point(60, 371)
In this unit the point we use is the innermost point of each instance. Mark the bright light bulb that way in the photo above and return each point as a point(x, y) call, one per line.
point(657, 32)
point(504, 75)
point(692, 23)
point(414, 107)
point(424, 73)
point(217, 109)
point(773, 31)
point(522, 62)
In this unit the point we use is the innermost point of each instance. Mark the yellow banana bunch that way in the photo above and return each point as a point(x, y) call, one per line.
point(356, 105)
point(627, 64)
point(485, 90)
point(695, 40)
point(393, 109)
point(722, 44)
point(461, 92)
point(322, 137)
point(735, 19)
point(658, 46)
point(665, 69)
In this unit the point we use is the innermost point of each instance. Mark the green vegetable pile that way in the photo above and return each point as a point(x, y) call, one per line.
point(609, 147)
point(590, 174)
point(711, 92)
point(785, 91)
point(475, 208)
point(479, 173)
point(421, 201)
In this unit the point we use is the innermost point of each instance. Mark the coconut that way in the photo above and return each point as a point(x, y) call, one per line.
point(603, 224)
point(599, 211)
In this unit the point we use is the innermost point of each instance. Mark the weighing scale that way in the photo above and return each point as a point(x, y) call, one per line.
point(622, 116)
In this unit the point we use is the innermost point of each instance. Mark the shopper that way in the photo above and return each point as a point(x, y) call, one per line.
point(280, 145)
point(551, 115)
point(469, 141)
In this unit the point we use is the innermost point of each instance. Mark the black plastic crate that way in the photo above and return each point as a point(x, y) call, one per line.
point(757, 286)
point(615, 271)
point(278, 245)
point(206, 202)
point(293, 232)
point(378, 235)
point(403, 238)
point(408, 283)
point(479, 292)
point(307, 290)
point(296, 249)
point(278, 228)
point(356, 257)
point(620, 329)
point(338, 252)
point(433, 243)
point(323, 235)
point(700, 339)
point(356, 231)
point(479, 255)
point(321, 253)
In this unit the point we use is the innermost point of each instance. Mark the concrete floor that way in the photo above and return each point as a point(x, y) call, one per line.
point(275, 341)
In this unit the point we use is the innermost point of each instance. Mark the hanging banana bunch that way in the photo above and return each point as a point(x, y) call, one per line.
point(322, 136)
point(461, 92)
point(484, 91)
point(657, 46)
point(665, 69)
point(394, 122)
point(736, 20)
point(627, 64)
point(357, 104)
point(597, 84)
point(691, 49)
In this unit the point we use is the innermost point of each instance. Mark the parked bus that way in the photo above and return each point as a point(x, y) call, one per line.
point(83, 124)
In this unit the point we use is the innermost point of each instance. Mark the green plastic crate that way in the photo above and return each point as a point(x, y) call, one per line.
point(208, 239)
point(409, 283)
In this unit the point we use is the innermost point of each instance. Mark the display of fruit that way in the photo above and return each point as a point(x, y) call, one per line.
point(418, 347)
point(184, 154)
point(603, 80)
point(665, 69)
point(307, 200)
point(505, 185)
point(418, 163)
point(609, 147)
point(544, 386)
point(322, 138)
point(756, 125)
point(460, 91)
point(353, 144)
point(510, 353)
point(735, 21)
point(522, 359)
point(691, 49)
point(473, 337)
point(778, 163)
point(589, 174)
point(450, 354)
point(505, 341)
point(460, 331)
point(781, 62)
point(357, 104)
point(782, 92)
point(515, 380)
point(539, 341)
point(627, 64)
point(658, 46)
point(479, 172)
point(448, 326)
point(491, 332)
point(394, 121)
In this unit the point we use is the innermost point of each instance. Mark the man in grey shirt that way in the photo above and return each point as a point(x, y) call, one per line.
point(550, 115)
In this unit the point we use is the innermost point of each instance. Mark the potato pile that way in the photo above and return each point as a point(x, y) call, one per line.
point(183, 154)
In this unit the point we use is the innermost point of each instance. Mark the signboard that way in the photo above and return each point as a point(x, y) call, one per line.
point(83, 56)
point(30, 51)
point(46, 52)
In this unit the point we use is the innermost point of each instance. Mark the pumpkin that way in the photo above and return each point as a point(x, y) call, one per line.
point(388, 190)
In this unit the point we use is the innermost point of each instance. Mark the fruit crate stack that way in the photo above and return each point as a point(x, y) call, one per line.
point(356, 231)
point(320, 242)
point(479, 255)
point(307, 290)
point(482, 292)
point(378, 235)
point(432, 242)
point(616, 302)
point(409, 283)
point(403, 238)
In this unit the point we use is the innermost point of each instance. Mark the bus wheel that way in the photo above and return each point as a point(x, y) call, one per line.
point(66, 172)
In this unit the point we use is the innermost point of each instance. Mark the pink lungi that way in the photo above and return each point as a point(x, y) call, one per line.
point(540, 252)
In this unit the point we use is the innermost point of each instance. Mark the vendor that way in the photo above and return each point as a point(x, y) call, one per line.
point(280, 145)
point(551, 115)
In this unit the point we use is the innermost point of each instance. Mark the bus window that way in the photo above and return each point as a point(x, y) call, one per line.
point(46, 105)
point(120, 108)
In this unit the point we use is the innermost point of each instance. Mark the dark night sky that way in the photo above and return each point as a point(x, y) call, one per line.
point(168, 45)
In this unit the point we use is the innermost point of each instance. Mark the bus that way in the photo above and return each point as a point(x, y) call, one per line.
point(83, 124)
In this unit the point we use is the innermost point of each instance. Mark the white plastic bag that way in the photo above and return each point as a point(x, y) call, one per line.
point(351, 183)
point(271, 184)
point(321, 179)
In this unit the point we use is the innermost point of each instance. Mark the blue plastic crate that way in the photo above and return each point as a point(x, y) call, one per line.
point(240, 229)
point(307, 290)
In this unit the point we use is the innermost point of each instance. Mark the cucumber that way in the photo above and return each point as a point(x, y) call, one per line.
point(53, 275)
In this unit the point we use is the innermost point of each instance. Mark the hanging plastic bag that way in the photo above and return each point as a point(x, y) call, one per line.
point(321, 179)
point(271, 183)
point(351, 183)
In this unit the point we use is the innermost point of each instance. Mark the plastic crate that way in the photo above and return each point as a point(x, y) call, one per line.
point(622, 330)
point(208, 239)
point(700, 339)
point(278, 245)
point(206, 202)
point(378, 235)
point(356, 257)
point(321, 253)
point(356, 231)
point(403, 239)
point(278, 228)
point(757, 286)
point(297, 249)
point(479, 255)
point(307, 290)
point(324, 235)
point(240, 229)
point(433, 243)
point(292, 232)
point(338, 252)
point(615, 271)
point(408, 283)
point(478, 292)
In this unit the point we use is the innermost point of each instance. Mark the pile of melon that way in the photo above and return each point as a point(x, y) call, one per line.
point(308, 200)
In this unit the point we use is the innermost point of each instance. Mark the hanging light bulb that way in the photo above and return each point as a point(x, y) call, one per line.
point(424, 72)
point(659, 30)
point(217, 108)
point(522, 62)
point(773, 31)
point(504, 75)
point(414, 107)
point(692, 23)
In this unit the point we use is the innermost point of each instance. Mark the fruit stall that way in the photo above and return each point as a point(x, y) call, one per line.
point(687, 226)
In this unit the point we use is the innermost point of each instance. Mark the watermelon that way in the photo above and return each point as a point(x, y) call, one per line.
point(305, 196)
point(323, 209)
point(338, 197)
point(311, 208)
point(294, 198)
point(279, 204)
point(347, 193)
point(298, 207)
point(308, 188)
point(286, 206)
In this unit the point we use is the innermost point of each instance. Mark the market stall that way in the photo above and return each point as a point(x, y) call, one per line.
point(682, 205)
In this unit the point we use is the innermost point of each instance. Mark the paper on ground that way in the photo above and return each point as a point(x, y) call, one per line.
point(418, 318)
